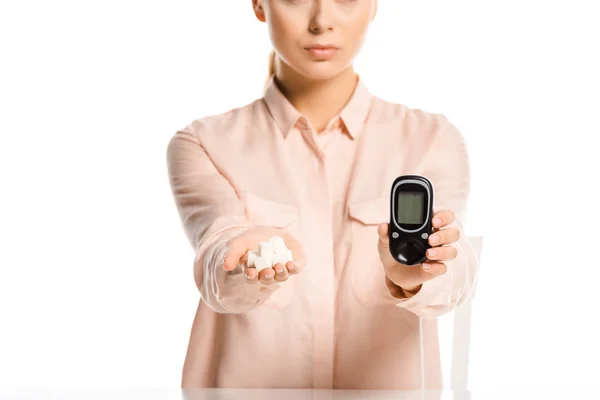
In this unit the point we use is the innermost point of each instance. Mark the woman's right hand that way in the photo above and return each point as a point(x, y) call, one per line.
point(239, 246)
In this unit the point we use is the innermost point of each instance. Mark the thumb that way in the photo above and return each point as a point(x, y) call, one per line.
point(236, 249)
point(382, 231)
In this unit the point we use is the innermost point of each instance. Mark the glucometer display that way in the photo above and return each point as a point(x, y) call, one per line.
point(411, 201)
point(410, 207)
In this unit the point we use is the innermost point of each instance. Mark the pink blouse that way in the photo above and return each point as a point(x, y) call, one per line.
point(336, 324)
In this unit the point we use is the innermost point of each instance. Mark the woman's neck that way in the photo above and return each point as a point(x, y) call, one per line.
point(317, 100)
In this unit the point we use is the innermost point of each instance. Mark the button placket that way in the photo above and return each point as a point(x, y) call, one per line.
point(309, 134)
point(323, 313)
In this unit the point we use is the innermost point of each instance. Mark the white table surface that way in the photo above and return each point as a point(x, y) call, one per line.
point(288, 394)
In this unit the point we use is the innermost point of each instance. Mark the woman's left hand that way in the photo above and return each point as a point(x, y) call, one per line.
point(410, 278)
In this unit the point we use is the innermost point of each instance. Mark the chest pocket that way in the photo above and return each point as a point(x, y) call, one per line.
point(269, 213)
point(368, 275)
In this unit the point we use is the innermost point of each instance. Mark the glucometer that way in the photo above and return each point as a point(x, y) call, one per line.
point(411, 212)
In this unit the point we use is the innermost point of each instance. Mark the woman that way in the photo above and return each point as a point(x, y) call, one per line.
point(313, 161)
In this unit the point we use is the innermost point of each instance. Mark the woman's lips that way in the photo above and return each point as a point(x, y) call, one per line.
point(322, 52)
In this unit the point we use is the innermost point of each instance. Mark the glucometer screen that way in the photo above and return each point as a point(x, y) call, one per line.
point(411, 207)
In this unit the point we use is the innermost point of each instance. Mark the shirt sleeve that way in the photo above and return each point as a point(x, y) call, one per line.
point(447, 167)
point(211, 213)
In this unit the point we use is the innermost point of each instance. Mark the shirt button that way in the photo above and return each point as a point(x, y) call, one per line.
point(264, 289)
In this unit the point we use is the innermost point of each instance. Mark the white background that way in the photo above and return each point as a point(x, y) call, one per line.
point(96, 285)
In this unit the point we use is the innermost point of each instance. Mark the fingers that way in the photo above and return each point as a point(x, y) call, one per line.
point(281, 272)
point(443, 218)
point(251, 275)
point(266, 276)
point(444, 236)
point(430, 270)
point(440, 219)
point(292, 267)
point(405, 276)
point(443, 253)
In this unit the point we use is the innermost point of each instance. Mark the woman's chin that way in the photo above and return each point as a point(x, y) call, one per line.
point(321, 70)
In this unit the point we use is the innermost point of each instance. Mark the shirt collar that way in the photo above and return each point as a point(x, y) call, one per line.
point(286, 115)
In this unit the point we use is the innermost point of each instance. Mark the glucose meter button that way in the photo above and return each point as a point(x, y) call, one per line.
point(425, 236)
point(410, 251)
point(417, 246)
point(395, 235)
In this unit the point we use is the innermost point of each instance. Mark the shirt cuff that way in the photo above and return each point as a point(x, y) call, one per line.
point(445, 292)
point(420, 302)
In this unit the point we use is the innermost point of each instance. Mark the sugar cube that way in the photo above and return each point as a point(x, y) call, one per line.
point(260, 263)
point(286, 256)
point(269, 253)
point(278, 244)
point(252, 256)
point(277, 258)
point(268, 257)
point(276, 239)
point(265, 248)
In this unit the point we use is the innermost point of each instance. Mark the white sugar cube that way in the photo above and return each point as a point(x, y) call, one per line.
point(265, 248)
point(288, 256)
point(268, 257)
point(252, 256)
point(283, 257)
point(276, 239)
point(277, 258)
point(260, 263)
point(278, 244)
point(269, 253)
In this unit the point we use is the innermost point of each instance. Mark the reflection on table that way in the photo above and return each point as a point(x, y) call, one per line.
point(286, 394)
point(317, 394)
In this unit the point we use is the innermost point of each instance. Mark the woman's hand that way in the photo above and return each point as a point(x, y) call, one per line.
point(249, 240)
point(410, 278)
